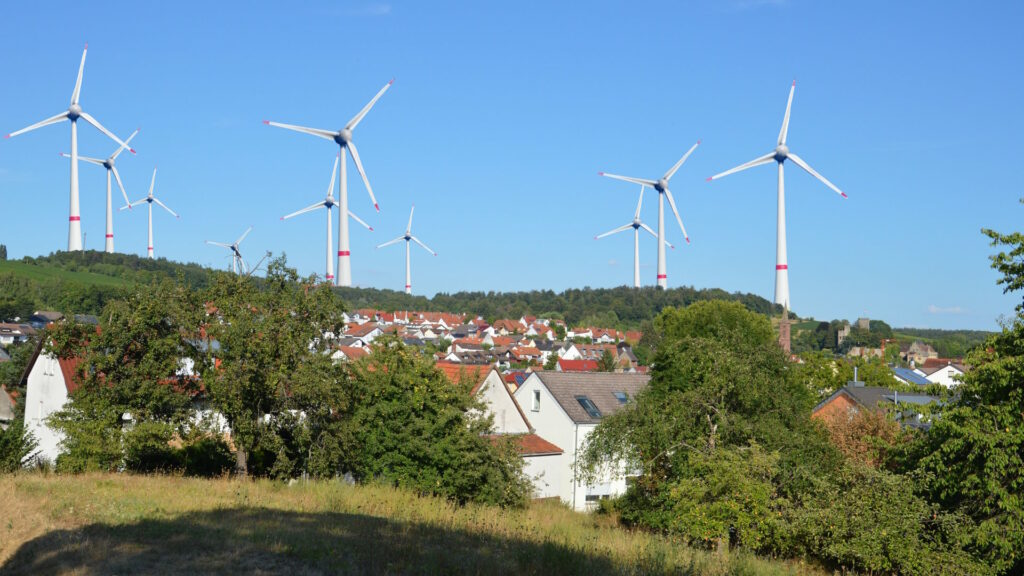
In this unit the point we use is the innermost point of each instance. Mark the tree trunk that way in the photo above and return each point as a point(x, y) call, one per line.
point(241, 462)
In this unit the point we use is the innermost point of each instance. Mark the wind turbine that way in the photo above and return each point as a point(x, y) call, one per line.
point(150, 199)
point(636, 225)
point(329, 203)
point(238, 264)
point(111, 169)
point(408, 237)
point(780, 154)
point(343, 138)
point(73, 113)
point(661, 185)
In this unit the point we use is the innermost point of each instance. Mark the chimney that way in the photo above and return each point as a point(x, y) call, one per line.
point(855, 383)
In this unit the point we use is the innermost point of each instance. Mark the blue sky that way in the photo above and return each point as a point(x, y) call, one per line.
point(499, 121)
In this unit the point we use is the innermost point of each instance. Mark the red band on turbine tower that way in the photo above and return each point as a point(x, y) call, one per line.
point(74, 218)
point(662, 276)
point(343, 253)
point(110, 235)
point(782, 267)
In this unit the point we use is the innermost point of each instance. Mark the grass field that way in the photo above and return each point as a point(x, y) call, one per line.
point(49, 273)
point(117, 524)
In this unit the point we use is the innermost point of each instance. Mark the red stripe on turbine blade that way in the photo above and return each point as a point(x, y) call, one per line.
point(782, 266)
point(843, 194)
point(74, 218)
point(344, 253)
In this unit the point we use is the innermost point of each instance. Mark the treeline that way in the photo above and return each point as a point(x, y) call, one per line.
point(948, 343)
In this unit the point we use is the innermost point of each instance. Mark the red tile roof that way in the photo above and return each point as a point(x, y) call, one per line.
point(528, 444)
point(360, 330)
point(353, 352)
point(458, 373)
point(577, 365)
point(69, 369)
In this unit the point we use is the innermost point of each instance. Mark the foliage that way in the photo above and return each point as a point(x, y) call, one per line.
point(867, 437)
point(606, 363)
point(1009, 264)
point(411, 427)
point(17, 446)
point(948, 343)
point(552, 362)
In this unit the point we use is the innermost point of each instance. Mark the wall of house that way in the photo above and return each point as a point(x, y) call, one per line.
point(842, 406)
point(945, 376)
point(46, 394)
point(495, 396)
point(546, 474)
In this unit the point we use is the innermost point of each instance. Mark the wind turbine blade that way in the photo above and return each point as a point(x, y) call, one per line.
point(221, 244)
point(245, 267)
point(304, 210)
point(117, 176)
point(360, 220)
point(409, 227)
point(164, 206)
point(655, 234)
point(640, 181)
point(95, 161)
point(359, 166)
point(622, 228)
point(639, 203)
point(325, 134)
point(390, 242)
point(755, 162)
point(242, 237)
point(133, 204)
point(100, 127)
point(51, 120)
point(152, 182)
point(334, 173)
point(362, 113)
point(671, 172)
point(417, 240)
point(785, 119)
point(124, 147)
point(672, 203)
point(800, 162)
point(78, 82)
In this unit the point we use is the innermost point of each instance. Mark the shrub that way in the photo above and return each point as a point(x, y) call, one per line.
point(17, 446)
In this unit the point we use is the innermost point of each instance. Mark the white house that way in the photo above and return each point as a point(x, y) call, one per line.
point(564, 408)
point(948, 375)
point(49, 382)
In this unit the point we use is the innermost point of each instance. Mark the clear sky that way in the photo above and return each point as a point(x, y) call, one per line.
point(500, 119)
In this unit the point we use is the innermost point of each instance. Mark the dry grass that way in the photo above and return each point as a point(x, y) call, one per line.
point(116, 524)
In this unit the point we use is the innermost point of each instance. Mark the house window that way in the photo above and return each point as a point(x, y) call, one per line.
point(622, 397)
point(589, 406)
point(536, 400)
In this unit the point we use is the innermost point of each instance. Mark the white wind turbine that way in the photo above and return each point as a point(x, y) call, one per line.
point(111, 169)
point(73, 113)
point(636, 225)
point(329, 204)
point(661, 185)
point(343, 138)
point(238, 264)
point(408, 237)
point(150, 199)
point(780, 154)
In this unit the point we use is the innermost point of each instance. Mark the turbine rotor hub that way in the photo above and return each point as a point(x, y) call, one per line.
point(343, 137)
point(661, 185)
point(74, 111)
point(781, 152)
point(108, 163)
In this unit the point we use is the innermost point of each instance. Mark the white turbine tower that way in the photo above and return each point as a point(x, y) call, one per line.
point(150, 199)
point(636, 225)
point(329, 204)
point(73, 113)
point(661, 185)
point(408, 237)
point(343, 138)
point(238, 264)
point(780, 154)
point(111, 169)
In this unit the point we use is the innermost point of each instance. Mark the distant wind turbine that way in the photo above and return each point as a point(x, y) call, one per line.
point(408, 237)
point(780, 154)
point(636, 225)
point(238, 264)
point(329, 203)
point(73, 113)
point(111, 169)
point(150, 199)
point(343, 138)
point(661, 185)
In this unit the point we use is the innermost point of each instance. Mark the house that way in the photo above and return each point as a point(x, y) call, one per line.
point(580, 365)
point(865, 352)
point(563, 409)
point(349, 353)
point(7, 403)
point(504, 327)
point(40, 319)
point(919, 352)
point(365, 333)
point(855, 396)
point(948, 375)
point(15, 333)
point(459, 373)
point(909, 376)
point(525, 354)
point(49, 381)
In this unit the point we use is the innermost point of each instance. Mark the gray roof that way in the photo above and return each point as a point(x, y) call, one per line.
point(600, 387)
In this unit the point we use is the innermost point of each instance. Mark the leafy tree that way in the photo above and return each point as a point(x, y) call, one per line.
point(552, 362)
point(1010, 264)
point(268, 335)
point(413, 428)
point(17, 446)
point(606, 363)
point(3, 252)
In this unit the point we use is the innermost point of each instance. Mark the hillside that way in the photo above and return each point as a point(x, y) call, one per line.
point(118, 523)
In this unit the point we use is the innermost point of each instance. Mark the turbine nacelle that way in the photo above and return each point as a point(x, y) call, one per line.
point(781, 153)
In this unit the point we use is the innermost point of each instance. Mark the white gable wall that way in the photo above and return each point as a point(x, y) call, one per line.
point(47, 393)
point(945, 376)
point(507, 419)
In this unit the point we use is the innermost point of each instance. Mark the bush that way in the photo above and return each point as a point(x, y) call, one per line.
point(17, 446)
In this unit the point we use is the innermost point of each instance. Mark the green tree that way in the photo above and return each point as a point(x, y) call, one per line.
point(413, 428)
point(606, 363)
point(3, 252)
point(1009, 263)
point(552, 362)
point(17, 446)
